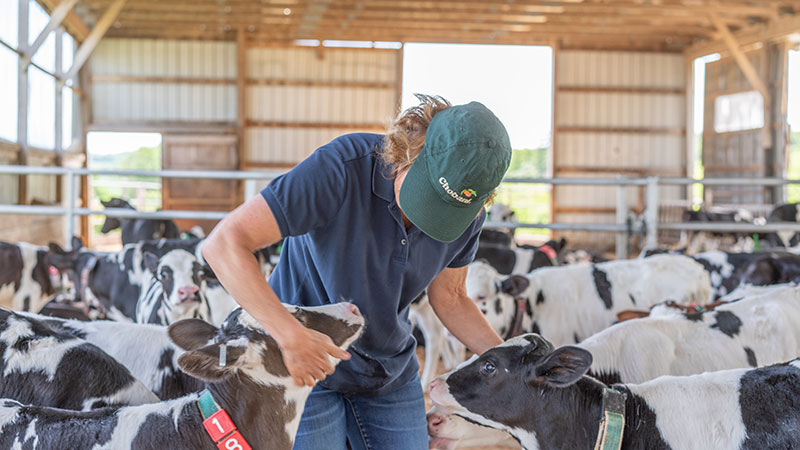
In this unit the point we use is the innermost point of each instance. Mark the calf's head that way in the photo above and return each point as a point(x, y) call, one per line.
point(180, 276)
point(112, 223)
point(484, 283)
point(251, 351)
point(517, 387)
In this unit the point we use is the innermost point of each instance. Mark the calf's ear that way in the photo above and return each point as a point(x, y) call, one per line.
point(77, 243)
point(515, 285)
point(192, 334)
point(151, 262)
point(203, 363)
point(562, 367)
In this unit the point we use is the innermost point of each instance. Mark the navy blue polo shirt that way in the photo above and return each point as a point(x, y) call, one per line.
point(344, 240)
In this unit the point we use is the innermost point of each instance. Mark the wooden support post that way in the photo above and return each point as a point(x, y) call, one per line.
point(88, 46)
point(689, 141)
point(56, 17)
point(398, 81)
point(241, 101)
point(85, 121)
point(22, 102)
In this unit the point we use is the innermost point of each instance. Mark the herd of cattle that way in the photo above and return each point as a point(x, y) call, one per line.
point(702, 348)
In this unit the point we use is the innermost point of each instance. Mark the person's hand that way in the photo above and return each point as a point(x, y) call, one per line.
point(305, 353)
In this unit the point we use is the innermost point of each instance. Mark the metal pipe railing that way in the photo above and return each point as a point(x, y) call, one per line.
point(649, 226)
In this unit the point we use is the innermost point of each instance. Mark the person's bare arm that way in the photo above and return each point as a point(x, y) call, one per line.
point(448, 296)
point(229, 251)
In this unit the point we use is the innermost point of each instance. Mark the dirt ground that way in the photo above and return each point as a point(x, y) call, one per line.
point(421, 357)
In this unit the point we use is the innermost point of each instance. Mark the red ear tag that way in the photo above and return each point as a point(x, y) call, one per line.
point(219, 425)
point(234, 442)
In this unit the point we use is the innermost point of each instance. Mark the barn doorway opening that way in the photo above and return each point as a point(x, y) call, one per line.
point(516, 83)
point(793, 194)
point(121, 151)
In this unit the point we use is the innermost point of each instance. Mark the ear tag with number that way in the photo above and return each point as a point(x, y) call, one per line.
point(223, 355)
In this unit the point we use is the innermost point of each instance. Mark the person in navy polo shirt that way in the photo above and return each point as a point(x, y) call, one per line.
point(375, 220)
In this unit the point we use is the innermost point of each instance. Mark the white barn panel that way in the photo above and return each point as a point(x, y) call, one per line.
point(616, 113)
point(620, 69)
point(146, 99)
point(317, 94)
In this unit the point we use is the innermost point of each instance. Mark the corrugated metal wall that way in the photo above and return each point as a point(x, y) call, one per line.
point(131, 81)
point(297, 98)
point(616, 113)
point(300, 98)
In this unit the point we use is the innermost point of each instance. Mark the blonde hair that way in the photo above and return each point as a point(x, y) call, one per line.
point(406, 135)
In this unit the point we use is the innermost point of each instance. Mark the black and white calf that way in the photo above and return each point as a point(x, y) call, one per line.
point(755, 331)
point(43, 364)
point(437, 339)
point(144, 349)
point(542, 397)
point(569, 303)
point(172, 284)
point(519, 259)
point(24, 278)
point(136, 230)
point(245, 375)
point(772, 269)
point(703, 241)
point(113, 281)
point(788, 212)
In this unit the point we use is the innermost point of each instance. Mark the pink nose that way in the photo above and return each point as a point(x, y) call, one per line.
point(435, 422)
point(353, 309)
point(187, 292)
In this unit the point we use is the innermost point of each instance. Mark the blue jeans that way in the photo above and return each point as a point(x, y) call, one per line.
point(395, 421)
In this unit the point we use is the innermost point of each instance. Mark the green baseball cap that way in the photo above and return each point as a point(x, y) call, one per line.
point(466, 154)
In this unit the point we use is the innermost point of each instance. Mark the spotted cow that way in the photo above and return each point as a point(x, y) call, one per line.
point(569, 303)
point(760, 329)
point(247, 379)
point(24, 279)
point(134, 229)
point(172, 288)
point(542, 396)
point(45, 365)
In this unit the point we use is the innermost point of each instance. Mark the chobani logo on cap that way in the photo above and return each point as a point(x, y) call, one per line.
point(469, 193)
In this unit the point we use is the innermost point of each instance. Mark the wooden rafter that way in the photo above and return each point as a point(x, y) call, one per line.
point(744, 64)
point(88, 46)
point(659, 25)
point(56, 17)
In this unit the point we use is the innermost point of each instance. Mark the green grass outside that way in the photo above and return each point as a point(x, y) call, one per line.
point(793, 171)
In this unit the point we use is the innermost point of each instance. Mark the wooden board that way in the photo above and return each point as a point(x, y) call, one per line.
point(197, 152)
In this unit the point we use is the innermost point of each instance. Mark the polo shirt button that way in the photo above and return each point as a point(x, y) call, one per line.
point(403, 241)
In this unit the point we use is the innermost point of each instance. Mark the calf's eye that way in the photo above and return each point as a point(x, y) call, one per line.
point(488, 368)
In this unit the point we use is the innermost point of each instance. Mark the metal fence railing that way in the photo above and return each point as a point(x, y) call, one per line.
point(648, 225)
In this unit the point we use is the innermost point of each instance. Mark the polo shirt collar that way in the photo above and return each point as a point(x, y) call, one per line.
point(382, 183)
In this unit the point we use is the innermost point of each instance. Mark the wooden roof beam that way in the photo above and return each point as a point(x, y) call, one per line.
point(94, 37)
point(72, 23)
point(773, 30)
point(744, 64)
point(56, 17)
